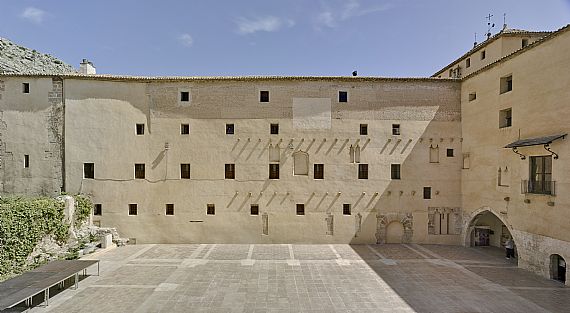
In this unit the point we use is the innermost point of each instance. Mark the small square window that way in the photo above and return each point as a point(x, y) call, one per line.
point(274, 129)
point(184, 96)
point(362, 171)
point(396, 129)
point(395, 171)
point(89, 170)
point(211, 209)
point(524, 42)
point(506, 84)
point(254, 209)
point(346, 209)
point(170, 209)
point(140, 129)
point(427, 193)
point(184, 129)
point(264, 96)
point(467, 62)
point(230, 171)
point(483, 55)
point(342, 96)
point(139, 171)
point(319, 171)
point(133, 209)
point(274, 171)
point(472, 96)
point(364, 129)
point(300, 209)
point(230, 129)
point(449, 153)
point(26, 161)
point(185, 171)
point(26, 87)
point(505, 118)
point(98, 209)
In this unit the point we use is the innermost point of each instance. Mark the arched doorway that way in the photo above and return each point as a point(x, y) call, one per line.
point(558, 268)
point(394, 232)
point(487, 229)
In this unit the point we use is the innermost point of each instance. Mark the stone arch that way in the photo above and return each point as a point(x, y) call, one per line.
point(383, 220)
point(472, 219)
point(301, 163)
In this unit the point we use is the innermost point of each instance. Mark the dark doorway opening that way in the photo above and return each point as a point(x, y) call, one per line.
point(558, 268)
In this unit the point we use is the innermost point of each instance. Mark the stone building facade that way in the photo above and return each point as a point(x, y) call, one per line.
point(311, 159)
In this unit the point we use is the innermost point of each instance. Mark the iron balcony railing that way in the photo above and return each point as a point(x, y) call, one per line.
point(543, 187)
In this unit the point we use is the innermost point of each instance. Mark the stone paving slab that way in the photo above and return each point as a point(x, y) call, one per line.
point(309, 278)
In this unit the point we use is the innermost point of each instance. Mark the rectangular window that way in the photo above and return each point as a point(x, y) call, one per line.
point(346, 209)
point(395, 171)
point(184, 129)
point(506, 84)
point(319, 171)
point(184, 96)
point(364, 129)
point(434, 154)
point(300, 209)
point(540, 176)
point(26, 161)
point(483, 55)
point(140, 129)
point(170, 209)
point(230, 129)
point(185, 171)
point(274, 129)
point(505, 118)
point(264, 96)
point(342, 96)
point(449, 153)
point(273, 171)
point(133, 209)
point(97, 209)
point(362, 171)
point(396, 129)
point(467, 62)
point(139, 171)
point(89, 170)
point(211, 209)
point(230, 171)
point(472, 96)
point(427, 192)
point(254, 209)
point(466, 160)
point(26, 87)
point(524, 42)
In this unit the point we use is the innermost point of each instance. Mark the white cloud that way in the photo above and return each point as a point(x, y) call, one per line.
point(186, 40)
point(265, 24)
point(331, 17)
point(34, 15)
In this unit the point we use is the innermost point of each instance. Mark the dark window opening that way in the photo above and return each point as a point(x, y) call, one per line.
point(468, 62)
point(274, 129)
point(449, 153)
point(273, 171)
point(139, 171)
point(506, 84)
point(254, 209)
point(98, 209)
point(483, 55)
point(427, 192)
point(89, 170)
point(26, 87)
point(346, 209)
point(184, 96)
point(524, 42)
point(342, 96)
point(300, 209)
point(133, 209)
point(184, 129)
point(230, 129)
point(364, 129)
point(472, 96)
point(140, 129)
point(505, 118)
point(319, 171)
point(170, 209)
point(362, 171)
point(211, 209)
point(26, 161)
point(230, 171)
point(264, 96)
point(396, 129)
point(540, 176)
point(395, 171)
point(185, 171)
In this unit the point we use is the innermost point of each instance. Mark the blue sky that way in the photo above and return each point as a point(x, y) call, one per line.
point(393, 38)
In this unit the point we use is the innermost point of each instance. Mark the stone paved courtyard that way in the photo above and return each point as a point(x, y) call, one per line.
point(309, 278)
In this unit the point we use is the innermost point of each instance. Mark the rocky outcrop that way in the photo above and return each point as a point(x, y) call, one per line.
point(16, 59)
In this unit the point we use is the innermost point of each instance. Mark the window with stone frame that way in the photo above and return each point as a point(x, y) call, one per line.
point(140, 171)
point(274, 171)
point(362, 171)
point(210, 209)
point(89, 170)
point(133, 209)
point(319, 171)
point(230, 171)
point(169, 209)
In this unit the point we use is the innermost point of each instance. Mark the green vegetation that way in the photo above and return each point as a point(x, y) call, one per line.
point(83, 206)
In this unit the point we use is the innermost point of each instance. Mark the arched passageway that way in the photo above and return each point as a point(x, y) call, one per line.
point(486, 229)
point(558, 268)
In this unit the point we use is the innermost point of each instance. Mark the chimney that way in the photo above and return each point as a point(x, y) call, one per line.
point(86, 67)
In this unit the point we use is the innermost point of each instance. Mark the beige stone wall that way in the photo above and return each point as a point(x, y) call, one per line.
point(100, 128)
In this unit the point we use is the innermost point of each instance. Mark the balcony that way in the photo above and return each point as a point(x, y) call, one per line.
point(539, 187)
